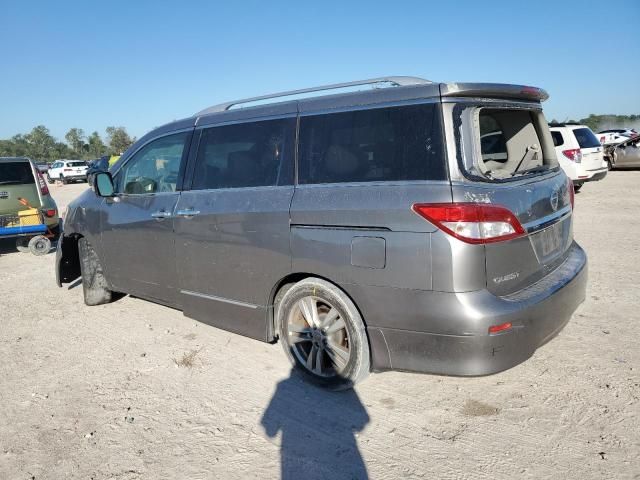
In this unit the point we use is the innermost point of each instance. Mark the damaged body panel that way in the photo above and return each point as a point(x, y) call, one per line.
point(625, 154)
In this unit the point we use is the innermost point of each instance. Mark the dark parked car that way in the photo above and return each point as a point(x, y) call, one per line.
point(366, 230)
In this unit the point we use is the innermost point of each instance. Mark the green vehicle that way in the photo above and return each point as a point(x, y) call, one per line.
point(27, 210)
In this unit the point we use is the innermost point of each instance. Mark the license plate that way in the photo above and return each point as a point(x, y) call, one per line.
point(550, 239)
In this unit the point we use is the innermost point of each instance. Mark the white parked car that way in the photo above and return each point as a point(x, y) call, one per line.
point(68, 171)
point(579, 152)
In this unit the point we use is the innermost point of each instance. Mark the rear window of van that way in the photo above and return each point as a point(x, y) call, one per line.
point(373, 145)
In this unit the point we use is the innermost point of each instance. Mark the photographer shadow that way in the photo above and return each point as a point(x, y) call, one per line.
point(318, 430)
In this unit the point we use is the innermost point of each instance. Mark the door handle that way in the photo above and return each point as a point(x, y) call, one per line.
point(188, 212)
point(161, 214)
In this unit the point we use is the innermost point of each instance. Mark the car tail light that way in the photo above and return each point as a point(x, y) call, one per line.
point(472, 222)
point(503, 327)
point(575, 155)
point(50, 212)
point(44, 190)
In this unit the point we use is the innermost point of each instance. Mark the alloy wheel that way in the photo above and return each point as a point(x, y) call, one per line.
point(318, 336)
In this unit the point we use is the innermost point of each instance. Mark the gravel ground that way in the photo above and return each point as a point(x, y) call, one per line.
point(135, 390)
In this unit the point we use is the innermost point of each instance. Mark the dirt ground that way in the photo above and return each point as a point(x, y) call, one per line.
point(135, 390)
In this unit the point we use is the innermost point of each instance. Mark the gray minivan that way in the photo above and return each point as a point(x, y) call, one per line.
point(367, 230)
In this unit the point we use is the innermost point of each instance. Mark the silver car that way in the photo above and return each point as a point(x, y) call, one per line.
point(365, 230)
point(625, 154)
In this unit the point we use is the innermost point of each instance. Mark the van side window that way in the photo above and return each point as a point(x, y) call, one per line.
point(245, 155)
point(154, 168)
point(383, 144)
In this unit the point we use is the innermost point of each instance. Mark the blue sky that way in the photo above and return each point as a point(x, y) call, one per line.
point(140, 64)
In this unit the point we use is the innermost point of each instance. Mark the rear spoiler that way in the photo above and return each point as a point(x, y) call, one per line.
point(493, 90)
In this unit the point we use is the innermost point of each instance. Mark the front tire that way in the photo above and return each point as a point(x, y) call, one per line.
point(94, 284)
point(323, 334)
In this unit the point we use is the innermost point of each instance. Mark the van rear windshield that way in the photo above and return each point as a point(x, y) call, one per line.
point(16, 173)
point(77, 164)
point(586, 138)
point(506, 142)
point(372, 145)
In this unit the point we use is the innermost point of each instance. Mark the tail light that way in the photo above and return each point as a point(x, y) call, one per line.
point(575, 155)
point(44, 190)
point(472, 222)
point(50, 212)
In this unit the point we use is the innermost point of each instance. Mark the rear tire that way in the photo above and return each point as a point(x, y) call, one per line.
point(49, 179)
point(64, 180)
point(22, 244)
point(94, 284)
point(323, 335)
point(577, 186)
point(39, 245)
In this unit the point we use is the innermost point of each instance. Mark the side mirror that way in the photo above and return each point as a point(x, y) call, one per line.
point(100, 165)
point(103, 184)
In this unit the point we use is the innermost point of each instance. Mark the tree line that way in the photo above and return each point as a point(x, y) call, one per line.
point(40, 145)
point(602, 122)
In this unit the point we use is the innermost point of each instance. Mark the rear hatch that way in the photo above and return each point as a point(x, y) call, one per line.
point(17, 181)
point(590, 148)
point(75, 169)
point(507, 159)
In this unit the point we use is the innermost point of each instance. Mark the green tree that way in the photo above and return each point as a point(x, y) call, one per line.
point(40, 143)
point(118, 139)
point(75, 139)
point(96, 145)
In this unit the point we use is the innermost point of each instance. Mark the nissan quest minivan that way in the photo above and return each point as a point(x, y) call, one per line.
point(366, 230)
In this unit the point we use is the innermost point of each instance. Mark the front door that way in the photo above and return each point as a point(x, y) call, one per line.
point(137, 224)
point(232, 226)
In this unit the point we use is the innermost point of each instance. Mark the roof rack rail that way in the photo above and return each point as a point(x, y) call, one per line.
point(394, 81)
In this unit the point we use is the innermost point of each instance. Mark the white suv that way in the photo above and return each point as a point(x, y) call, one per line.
point(579, 152)
point(68, 171)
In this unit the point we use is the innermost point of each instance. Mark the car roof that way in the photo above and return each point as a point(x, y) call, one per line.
point(13, 159)
point(570, 126)
point(385, 90)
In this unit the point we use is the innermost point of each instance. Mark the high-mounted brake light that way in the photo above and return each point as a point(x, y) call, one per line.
point(575, 155)
point(44, 190)
point(472, 222)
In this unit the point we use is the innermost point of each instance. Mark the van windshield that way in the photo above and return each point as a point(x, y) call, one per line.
point(16, 173)
point(506, 142)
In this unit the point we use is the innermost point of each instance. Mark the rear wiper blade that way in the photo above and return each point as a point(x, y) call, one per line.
point(536, 169)
point(10, 182)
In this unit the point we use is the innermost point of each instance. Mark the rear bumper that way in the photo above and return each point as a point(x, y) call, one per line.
point(592, 176)
point(537, 314)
